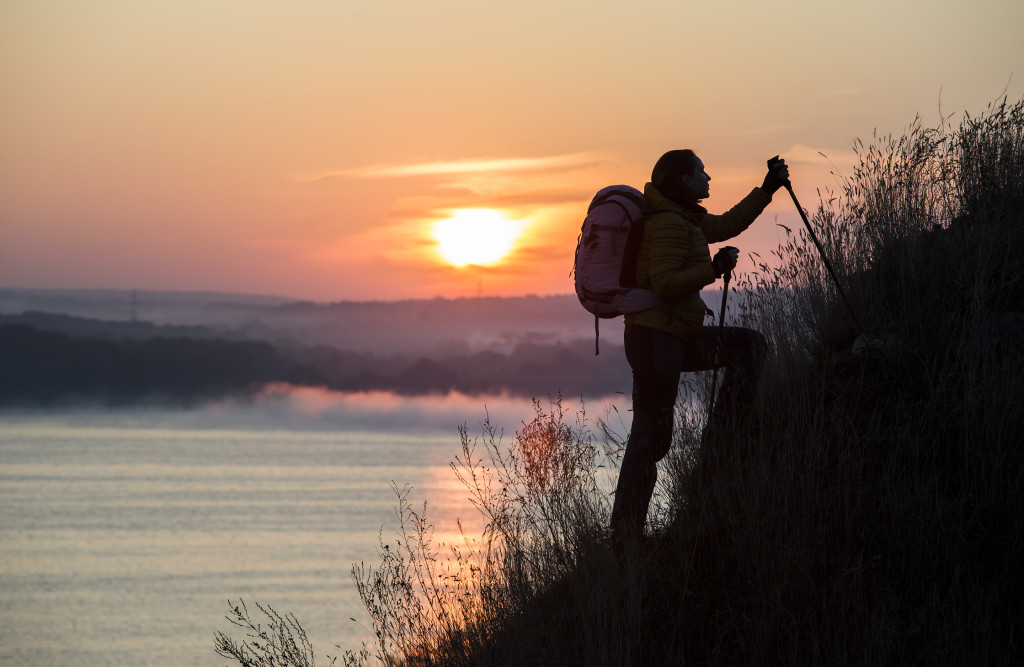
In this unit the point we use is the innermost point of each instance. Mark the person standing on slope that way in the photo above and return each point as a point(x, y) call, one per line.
point(675, 262)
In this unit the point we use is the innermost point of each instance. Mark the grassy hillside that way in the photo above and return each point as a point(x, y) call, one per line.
point(869, 513)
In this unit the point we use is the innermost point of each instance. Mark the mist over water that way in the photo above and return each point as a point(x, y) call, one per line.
point(282, 406)
point(124, 533)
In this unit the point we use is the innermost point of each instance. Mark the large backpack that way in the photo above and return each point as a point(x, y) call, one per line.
point(605, 266)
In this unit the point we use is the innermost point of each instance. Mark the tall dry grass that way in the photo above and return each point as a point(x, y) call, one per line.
point(870, 517)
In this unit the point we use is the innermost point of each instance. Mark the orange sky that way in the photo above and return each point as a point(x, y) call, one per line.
point(306, 149)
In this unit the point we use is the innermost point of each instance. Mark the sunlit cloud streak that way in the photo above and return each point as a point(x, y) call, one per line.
point(799, 153)
point(568, 161)
point(770, 129)
point(437, 206)
point(843, 92)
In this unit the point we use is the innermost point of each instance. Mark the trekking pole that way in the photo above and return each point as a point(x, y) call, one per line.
point(718, 343)
point(817, 244)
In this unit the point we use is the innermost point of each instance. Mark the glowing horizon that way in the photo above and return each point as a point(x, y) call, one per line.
point(308, 150)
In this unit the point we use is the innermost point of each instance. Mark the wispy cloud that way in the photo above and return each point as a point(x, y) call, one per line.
point(526, 199)
point(799, 153)
point(770, 129)
point(474, 166)
point(843, 92)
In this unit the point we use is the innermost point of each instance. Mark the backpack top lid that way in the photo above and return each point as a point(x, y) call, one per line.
point(626, 196)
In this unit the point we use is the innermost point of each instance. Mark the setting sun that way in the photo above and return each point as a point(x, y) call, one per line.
point(475, 236)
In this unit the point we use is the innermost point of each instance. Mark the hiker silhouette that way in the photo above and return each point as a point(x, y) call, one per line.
point(675, 261)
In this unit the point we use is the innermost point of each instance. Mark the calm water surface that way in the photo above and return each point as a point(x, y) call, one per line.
point(122, 539)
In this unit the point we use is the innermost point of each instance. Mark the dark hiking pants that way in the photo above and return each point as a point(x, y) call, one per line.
point(657, 358)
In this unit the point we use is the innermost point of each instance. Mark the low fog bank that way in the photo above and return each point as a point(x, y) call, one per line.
point(314, 409)
point(466, 325)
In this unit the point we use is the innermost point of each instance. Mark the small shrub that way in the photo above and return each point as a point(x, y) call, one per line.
point(277, 641)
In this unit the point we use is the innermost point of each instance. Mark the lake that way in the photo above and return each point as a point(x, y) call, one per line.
point(124, 534)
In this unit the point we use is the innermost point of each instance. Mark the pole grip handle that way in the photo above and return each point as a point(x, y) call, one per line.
point(774, 161)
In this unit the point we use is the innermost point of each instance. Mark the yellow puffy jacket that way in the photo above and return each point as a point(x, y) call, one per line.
point(674, 259)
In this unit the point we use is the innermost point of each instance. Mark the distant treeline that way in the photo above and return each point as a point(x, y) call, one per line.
point(40, 367)
point(108, 329)
point(46, 368)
